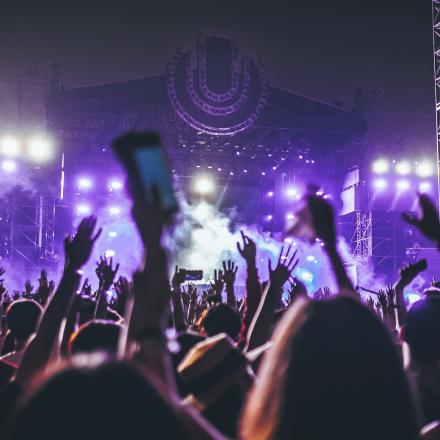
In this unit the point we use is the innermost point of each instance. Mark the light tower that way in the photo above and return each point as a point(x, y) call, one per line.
point(436, 46)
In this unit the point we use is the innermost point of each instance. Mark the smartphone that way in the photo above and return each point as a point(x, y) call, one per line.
point(193, 275)
point(144, 158)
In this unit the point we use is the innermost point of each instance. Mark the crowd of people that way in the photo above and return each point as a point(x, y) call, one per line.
point(153, 357)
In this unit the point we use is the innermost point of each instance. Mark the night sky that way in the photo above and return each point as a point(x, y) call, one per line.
point(323, 49)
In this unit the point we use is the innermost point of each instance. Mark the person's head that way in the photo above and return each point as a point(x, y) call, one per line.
point(332, 372)
point(98, 335)
point(221, 318)
point(422, 329)
point(92, 399)
point(22, 317)
point(217, 377)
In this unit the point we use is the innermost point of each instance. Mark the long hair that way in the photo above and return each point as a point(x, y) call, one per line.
point(89, 400)
point(333, 373)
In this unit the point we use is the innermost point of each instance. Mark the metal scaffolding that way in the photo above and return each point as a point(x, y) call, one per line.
point(436, 46)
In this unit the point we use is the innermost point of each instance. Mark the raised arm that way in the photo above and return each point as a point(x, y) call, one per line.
point(259, 331)
point(176, 299)
point(229, 273)
point(248, 250)
point(40, 348)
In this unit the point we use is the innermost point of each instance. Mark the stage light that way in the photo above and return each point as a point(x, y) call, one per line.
point(380, 183)
point(40, 149)
point(268, 218)
point(83, 209)
point(291, 192)
point(84, 183)
point(306, 276)
point(8, 166)
point(310, 258)
point(109, 253)
point(204, 185)
point(115, 185)
point(424, 186)
point(403, 168)
point(425, 169)
point(270, 194)
point(9, 146)
point(403, 185)
point(290, 216)
point(380, 166)
point(114, 210)
point(112, 234)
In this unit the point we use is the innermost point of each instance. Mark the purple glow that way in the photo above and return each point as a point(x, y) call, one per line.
point(115, 184)
point(424, 186)
point(85, 183)
point(380, 184)
point(112, 234)
point(268, 217)
point(9, 166)
point(403, 185)
point(270, 194)
point(83, 209)
point(291, 192)
point(114, 210)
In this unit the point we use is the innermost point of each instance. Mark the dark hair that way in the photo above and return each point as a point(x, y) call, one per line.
point(22, 317)
point(111, 400)
point(98, 335)
point(422, 330)
point(333, 372)
point(221, 318)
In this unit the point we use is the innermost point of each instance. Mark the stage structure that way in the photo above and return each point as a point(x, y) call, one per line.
point(218, 114)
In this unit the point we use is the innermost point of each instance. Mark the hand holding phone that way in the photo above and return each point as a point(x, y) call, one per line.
point(148, 174)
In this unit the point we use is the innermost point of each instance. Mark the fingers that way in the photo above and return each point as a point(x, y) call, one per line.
point(281, 254)
point(270, 265)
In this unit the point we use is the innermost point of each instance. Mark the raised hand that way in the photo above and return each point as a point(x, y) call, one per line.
point(218, 283)
point(383, 301)
point(428, 223)
point(285, 266)
point(409, 272)
point(178, 278)
point(28, 287)
point(229, 272)
point(86, 289)
point(248, 250)
point(323, 218)
point(79, 248)
point(105, 272)
point(326, 292)
point(435, 283)
point(45, 288)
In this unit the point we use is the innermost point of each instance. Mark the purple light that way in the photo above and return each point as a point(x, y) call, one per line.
point(270, 194)
point(244, 171)
point(83, 209)
point(115, 184)
point(9, 166)
point(85, 183)
point(380, 184)
point(424, 186)
point(291, 192)
point(263, 173)
point(403, 185)
point(114, 210)
point(268, 218)
point(112, 234)
point(274, 168)
point(109, 253)
point(231, 173)
point(290, 216)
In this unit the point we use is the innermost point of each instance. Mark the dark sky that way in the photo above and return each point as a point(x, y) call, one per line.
point(321, 48)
